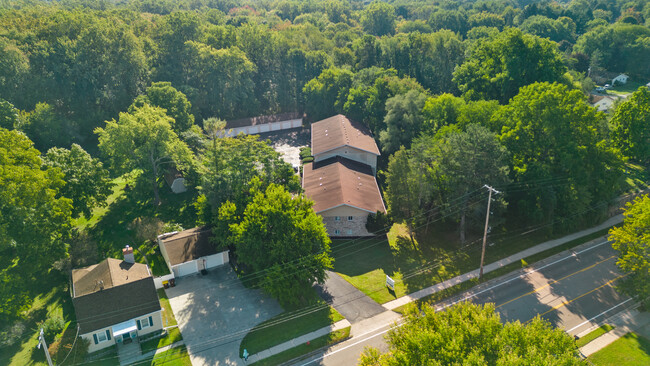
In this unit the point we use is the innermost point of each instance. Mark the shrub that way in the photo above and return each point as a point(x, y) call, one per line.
point(52, 327)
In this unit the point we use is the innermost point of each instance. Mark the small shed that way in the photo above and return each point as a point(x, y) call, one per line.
point(190, 251)
point(620, 79)
point(175, 180)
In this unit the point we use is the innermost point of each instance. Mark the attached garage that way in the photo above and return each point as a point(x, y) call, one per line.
point(190, 251)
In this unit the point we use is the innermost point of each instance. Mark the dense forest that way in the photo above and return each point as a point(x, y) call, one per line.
point(457, 94)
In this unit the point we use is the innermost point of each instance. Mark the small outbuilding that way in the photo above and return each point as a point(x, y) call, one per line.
point(263, 124)
point(620, 79)
point(190, 251)
point(175, 180)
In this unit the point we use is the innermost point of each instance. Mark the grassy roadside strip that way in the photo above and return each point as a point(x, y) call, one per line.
point(287, 326)
point(593, 335)
point(304, 349)
point(455, 290)
point(629, 350)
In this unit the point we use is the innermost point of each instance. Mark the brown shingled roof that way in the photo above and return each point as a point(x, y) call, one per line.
point(127, 291)
point(339, 181)
point(338, 131)
point(188, 245)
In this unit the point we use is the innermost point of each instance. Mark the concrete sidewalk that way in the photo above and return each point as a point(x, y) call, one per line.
point(498, 264)
point(624, 323)
point(388, 317)
point(298, 341)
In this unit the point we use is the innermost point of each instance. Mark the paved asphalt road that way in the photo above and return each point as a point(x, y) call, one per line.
point(570, 291)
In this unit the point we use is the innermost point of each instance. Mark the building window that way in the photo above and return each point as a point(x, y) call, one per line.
point(350, 218)
point(337, 218)
point(337, 232)
point(145, 323)
point(101, 337)
point(349, 232)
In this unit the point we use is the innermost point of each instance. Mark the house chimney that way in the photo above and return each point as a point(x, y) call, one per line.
point(128, 254)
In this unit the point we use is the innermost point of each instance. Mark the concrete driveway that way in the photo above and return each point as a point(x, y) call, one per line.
point(214, 312)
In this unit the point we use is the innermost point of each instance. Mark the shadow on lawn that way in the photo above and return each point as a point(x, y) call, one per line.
point(112, 232)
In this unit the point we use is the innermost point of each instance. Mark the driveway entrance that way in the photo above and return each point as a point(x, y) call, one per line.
point(214, 313)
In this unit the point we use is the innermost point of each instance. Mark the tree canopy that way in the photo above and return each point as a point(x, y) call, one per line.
point(34, 219)
point(87, 183)
point(553, 134)
point(143, 139)
point(292, 237)
point(632, 241)
point(164, 95)
point(498, 67)
point(631, 126)
point(472, 334)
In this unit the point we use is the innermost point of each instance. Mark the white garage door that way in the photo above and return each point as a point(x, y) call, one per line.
point(185, 269)
point(214, 260)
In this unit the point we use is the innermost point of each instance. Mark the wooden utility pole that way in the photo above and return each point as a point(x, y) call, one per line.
point(487, 220)
point(41, 342)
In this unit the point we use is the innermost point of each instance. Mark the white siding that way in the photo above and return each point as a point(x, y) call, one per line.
point(215, 260)
point(267, 127)
point(185, 269)
point(352, 154)
point(157, 325)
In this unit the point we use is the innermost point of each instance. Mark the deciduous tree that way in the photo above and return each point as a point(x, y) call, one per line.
point(143, 139)
point(632, 241)
point(378, 18)
point(87, 183)
point(164, 95)
point(292, 238)
point(468, 334)
point(498, 67)
point(631, 126)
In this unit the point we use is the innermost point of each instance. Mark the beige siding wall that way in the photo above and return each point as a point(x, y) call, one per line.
point(157, 325)
point(338, 224)
point(352, 154)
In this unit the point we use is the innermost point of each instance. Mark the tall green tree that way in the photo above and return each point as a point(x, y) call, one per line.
point(553, 134)
point(87, 183)
point(143, 139)
point(378, 18)
point(229, 164)
point(34, 220)
point(632, 241)
point(465, 161)
point(469, 334)
point(292, 237)
point(8, 115)
point(164, 95)
point(403, 120)
point(406, 189)
point(631, 126)
point(326, 95)
point(498, 67)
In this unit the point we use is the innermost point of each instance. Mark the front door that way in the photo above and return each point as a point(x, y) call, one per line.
point(126, 338)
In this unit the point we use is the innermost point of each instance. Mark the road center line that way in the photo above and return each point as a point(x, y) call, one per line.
point(555, 281)
point(564, 303)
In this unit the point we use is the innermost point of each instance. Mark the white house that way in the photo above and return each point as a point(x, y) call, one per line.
point(190, 251)
point(620, 79)
point(115, 302)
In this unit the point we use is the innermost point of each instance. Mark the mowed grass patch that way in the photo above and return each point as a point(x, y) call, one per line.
point(177, 356)
point(303, 349)
point(593, 335)
point(288, 325)
point(173, 335)
point(167, 314)
point(629, 350)
point(426, 260)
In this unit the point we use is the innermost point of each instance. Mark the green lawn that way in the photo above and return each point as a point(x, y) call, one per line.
point(174, 357)
point(289, 325)
point(624, 89)
point(167, 314)
point(417, 265)
point(173, 335)
point(303, 349)
point(593, 335)
point(629, 350)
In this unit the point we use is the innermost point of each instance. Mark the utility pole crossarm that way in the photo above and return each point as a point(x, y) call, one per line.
point(487, 220)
